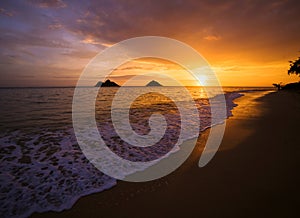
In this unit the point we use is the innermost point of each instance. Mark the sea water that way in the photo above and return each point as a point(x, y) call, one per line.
point(42, 166)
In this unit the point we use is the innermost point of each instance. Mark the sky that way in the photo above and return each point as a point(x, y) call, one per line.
point(49, 42)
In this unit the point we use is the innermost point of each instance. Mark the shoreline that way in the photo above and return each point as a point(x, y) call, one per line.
point(208, 187)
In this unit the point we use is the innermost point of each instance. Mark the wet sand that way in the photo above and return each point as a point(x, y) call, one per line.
point(255, 173)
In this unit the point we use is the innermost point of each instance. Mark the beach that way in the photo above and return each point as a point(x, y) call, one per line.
point(254, 173)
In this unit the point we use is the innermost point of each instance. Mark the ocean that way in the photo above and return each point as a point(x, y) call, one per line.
point(42, 166)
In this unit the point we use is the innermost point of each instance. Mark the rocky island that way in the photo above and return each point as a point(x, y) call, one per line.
point(153, 83)
point(107, 83)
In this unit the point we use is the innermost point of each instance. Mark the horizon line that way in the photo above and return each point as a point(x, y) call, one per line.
point(28, 87)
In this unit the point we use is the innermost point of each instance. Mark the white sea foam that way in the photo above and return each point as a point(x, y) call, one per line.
point(45, 172)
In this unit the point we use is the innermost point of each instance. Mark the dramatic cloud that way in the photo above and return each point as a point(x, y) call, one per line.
point(48, 3)
point(61, 34)
point(5, 12)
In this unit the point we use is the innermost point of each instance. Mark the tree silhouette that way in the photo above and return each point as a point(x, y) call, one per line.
point(277, 85)
point(294, 67)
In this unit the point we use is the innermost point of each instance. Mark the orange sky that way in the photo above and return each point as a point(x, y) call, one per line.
point(48, 43)
point(255, 74)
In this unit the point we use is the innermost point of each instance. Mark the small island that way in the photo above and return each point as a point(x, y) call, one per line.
point(153, 83)
point(107, 83)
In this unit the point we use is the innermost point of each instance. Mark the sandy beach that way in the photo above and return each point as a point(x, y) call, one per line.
point(255, 173)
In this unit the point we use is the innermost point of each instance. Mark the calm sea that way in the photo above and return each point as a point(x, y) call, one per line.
point(42, 167)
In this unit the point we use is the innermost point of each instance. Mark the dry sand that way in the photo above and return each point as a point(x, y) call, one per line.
point(254, 174)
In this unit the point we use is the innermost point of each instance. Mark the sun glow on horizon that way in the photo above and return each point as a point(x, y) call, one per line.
point(147, 69)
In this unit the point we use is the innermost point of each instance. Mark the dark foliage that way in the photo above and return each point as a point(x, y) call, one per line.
point(295, 67)
point(292, 86)
point(277, 85)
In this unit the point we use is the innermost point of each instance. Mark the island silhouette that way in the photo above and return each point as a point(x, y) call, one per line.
point(107, 83)
point(153, 83)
